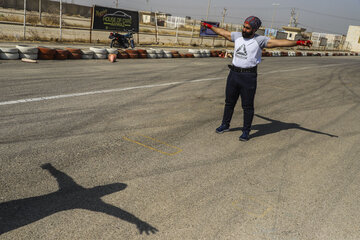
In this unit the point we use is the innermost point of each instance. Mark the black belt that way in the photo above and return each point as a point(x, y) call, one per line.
point(238, 69)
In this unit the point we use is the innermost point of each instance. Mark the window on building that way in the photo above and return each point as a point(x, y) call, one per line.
point(290, 35)
point(359, 40)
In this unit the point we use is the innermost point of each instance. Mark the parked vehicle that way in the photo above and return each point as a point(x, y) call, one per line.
point(122, 41)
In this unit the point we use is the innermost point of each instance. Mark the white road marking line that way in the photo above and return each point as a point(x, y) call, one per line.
point(102, 91)
point(304, 68)
point(145, 86)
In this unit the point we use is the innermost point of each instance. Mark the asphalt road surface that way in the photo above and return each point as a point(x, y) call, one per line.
point(128, 150)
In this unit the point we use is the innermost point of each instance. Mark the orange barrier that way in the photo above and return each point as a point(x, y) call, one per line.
point(74, 53)
point(132, 53)
point(46, 53)
point(61, 54)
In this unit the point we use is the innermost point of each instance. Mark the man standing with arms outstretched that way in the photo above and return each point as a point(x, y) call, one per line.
point(242, 79)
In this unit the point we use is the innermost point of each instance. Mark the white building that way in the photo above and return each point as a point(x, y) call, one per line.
point(292, 32)
point(174, 22)
point(333, 41)
point(353, 38)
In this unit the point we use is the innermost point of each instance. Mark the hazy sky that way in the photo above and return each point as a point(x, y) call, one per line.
point(329, 16)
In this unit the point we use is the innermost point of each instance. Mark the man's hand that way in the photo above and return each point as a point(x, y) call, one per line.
point(145, 227)
point(305, 43)
point(222, 32)
point(207, 25)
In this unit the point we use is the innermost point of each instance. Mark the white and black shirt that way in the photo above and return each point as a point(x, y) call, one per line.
point(247, 52)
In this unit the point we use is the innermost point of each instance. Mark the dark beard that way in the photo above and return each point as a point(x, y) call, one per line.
point(246, 35)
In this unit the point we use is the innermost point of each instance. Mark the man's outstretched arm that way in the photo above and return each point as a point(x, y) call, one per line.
point(287, 43)
point(220, 31)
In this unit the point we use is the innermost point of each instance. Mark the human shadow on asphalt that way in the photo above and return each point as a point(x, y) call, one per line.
point(276, 126)
point(18, 213)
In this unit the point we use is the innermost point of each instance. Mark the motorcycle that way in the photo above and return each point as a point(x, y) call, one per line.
point(122, 41)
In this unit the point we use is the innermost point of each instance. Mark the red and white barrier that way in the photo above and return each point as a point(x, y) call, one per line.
point(101, 53)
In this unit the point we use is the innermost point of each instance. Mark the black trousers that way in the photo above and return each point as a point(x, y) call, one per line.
point(244, 85)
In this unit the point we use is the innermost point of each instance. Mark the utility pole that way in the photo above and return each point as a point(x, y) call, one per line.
point(207, 14)
point(293, 18)
point(156, 29)
point(40, 10)
point(222, 24)
point(117, 3)
point(272, 22)
point(207, 17)
point(24, 19)
point(60, 20)
point(223, 17)
point(177, 30)
point(147, 4)
point(192, 31)
point(292, 15)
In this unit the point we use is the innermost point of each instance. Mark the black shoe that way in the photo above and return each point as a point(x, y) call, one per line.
point(223, 128)
point(244, 136)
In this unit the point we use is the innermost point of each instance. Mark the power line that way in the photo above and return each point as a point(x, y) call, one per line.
point(329, 15)
point(320, 29)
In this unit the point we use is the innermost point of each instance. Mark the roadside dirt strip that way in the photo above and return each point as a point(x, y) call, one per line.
point(128, 150)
